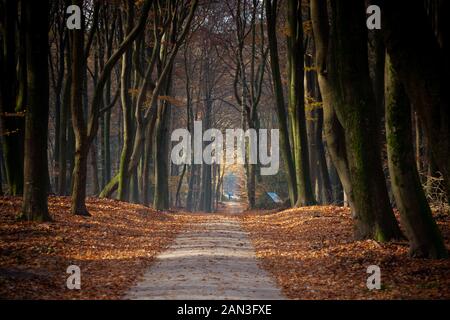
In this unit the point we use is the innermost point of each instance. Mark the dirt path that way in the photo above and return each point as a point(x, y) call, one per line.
point(213, 260)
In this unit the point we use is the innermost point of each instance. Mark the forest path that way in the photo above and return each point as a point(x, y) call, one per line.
point(212, 260)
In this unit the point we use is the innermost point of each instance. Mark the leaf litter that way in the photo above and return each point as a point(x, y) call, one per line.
point(312, 254)
point(113, 248)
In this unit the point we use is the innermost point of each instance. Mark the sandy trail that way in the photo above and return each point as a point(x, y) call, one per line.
point(214, 260)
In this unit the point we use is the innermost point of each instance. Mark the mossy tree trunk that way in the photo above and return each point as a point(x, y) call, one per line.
point(335, 139)
point(421, 60)
point(346, 84)
point(332, 131)
point(127, 111)
point(421, 229)
point(35, 206)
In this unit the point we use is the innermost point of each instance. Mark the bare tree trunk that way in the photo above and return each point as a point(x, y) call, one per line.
point(78, 122)
point(95, 179)
point(271, 16)
point(206, 193)
point(12, 121)
point(327, 194)
point(63, 128)
point(36, 123)
point(161, 196)
point(296, 103)
point(180, 183)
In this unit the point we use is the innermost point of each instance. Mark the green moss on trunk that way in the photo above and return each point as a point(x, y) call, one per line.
point(423, 234)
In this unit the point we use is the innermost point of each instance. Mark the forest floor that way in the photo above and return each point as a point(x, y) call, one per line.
point(306, 253)
point(112, 248)
point(312, 255)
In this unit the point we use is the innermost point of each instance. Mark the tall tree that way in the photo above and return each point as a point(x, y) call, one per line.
point(11, 114)
point(421, 229)
point(78, 120)
point(296, 102)
point(65, 131)
point(127, 110)
point(422, 64)
point(36, 20)
point(271, 17)
point(161, 195)
point(207, 90)
point(346, 88)
point(57, 71)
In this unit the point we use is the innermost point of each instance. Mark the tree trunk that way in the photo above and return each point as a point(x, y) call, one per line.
point(180, 183)
point(335, 139)
point(421, 229)
point(336, 185)
point(161, 197)
point(107, 115)
point(36, 121)
point(147, 186)
point(57, 88)
point(296, 103)
point(12, 119)
point(346, 86)
point(271, 17)
point(127, 112)
point(78, 122)
point(422, 66)
point(327, 193)
point(206, 192)
point(318, 163)
point(190, 203)
point(70, 151)
point(94, 167)
point(64, 130)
